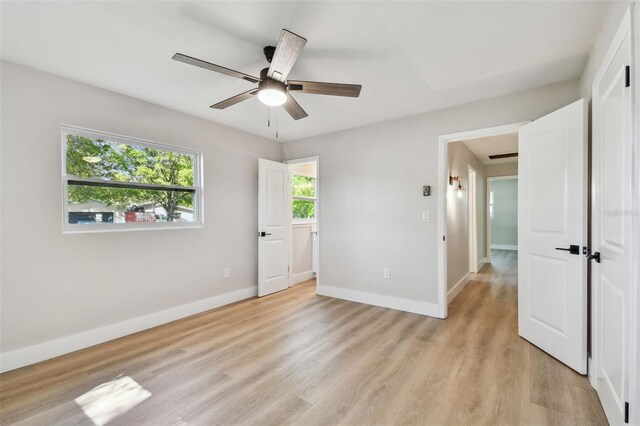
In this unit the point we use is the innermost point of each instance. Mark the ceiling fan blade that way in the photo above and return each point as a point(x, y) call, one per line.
point(287, 51)
point(235, 99)
point(318, 88)
point(294, 109)
point(213, 67)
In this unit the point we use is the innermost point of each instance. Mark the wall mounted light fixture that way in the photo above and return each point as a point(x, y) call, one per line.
point(459, 188)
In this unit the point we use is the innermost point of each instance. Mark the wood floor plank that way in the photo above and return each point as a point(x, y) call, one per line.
point(295, 358)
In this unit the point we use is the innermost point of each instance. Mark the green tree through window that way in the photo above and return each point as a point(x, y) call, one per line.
point(91, 158)
point(304, 194)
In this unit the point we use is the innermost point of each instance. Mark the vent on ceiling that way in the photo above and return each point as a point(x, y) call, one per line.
point(498, 156)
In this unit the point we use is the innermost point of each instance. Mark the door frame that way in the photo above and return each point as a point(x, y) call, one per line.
point(443, 181)
point(312, 159)
point(629, 23)
point(472, 215)
point(488, 215)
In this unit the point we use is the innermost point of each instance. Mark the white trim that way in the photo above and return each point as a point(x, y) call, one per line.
point(506, 177)
point(634, 394)
point(453, 292)
point(443, 181)
point(198, 184)
point(472, 217)
point(406, 305)
point(301, 277)
point(504, 247)
point(64, 345)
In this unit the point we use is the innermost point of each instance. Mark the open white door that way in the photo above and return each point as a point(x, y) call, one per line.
point(552, 206)
point(274, 225)
point(611, 223)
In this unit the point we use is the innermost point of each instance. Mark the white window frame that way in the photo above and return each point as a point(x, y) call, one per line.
point(314, 199)
point(198, 201)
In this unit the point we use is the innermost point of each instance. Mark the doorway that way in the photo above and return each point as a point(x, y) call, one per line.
point(304, 252)
point(471, 158)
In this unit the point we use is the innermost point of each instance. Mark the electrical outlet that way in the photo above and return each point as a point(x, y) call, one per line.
point(227, 272)
point(386, 273)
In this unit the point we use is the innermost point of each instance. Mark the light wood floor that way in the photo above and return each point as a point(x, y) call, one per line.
point(298, 358)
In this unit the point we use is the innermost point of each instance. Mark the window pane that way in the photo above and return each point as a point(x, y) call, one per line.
point(96, 204)
point(304, 209)
point(102, 159)
point(303, 186)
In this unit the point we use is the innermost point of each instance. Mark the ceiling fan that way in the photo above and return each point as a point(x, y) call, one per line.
point(273, 87)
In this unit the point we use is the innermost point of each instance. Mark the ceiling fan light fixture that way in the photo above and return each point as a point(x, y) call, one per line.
point(272, 92)
point(272, 97)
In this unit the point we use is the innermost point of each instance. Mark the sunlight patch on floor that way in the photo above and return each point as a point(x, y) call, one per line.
point(107, 401)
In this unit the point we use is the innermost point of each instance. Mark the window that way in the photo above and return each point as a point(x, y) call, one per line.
point(303, 189)
point(117, 183)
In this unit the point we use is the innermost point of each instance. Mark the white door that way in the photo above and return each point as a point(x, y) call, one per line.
point(552, 206)
point(611, 224)
point(274, 225)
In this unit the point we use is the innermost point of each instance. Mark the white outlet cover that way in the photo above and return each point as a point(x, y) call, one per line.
point(386, 272)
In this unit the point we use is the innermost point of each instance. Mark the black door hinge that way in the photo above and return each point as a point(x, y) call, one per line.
point(627, 76)
point(626, 412)
point(443, 238)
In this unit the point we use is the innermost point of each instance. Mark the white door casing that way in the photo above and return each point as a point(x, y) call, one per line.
point(552, 206)
point(611, 227)
point(473, 220)
point(274, 220)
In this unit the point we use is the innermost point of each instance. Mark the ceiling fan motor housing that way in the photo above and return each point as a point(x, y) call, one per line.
point(268, 52)
point(270, 83)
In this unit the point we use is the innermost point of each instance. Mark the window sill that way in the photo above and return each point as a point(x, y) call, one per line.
point(303, 224)
point(125, 227)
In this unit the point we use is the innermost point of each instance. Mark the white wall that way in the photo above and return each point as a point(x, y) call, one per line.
point(501, 169)
point(302, 246)
point(459, 158)
point(605, 35)
point(371, 194)
point(504, 223)
point(55, 285)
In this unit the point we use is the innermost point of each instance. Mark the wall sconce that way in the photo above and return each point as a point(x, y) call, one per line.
point(460, 188)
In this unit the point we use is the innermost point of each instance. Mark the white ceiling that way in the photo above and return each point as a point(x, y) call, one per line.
point(491, 145)
point(410, 57)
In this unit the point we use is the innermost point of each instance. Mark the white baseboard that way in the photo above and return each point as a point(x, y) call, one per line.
point(301, 277)
point(413, 306)
point(457, 288)
point(53, 348)
point(504, 247)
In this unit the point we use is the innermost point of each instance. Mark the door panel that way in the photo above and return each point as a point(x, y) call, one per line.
point(551, 214)
point(612, 192)
point(548, 298)
point(274, 219)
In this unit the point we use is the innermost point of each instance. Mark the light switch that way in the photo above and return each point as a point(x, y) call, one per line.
point(426, 216)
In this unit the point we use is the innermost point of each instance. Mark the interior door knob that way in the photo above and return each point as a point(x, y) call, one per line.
point(595, 256)
point(573, 249)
